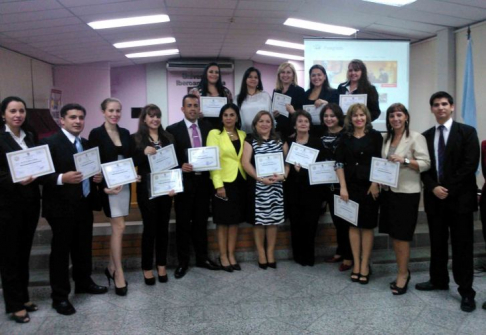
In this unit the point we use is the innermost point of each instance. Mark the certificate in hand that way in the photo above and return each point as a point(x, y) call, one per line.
point(211, 106)
point(204, 158)
point(322, 173)
point(384, 172)
point(314, 112)
point(302, 155)
point(164, 159)
point(33, 162)
point(161, 183)
point(88, 162)
point(346, 100)
point(279, 103)
point(119, 173)
point(269, 164)
point(346, 210)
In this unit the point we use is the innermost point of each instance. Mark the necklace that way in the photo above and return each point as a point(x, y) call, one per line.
point(230, 133)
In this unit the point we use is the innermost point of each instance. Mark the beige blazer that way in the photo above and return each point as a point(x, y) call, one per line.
point(412, 147)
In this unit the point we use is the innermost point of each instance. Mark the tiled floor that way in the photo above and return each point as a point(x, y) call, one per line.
point(289, 300)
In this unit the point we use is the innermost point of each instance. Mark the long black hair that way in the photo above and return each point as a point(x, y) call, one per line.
point(203, 85)
point(224, 109)
point(244, 89)
point(142, 136)
point(364, 84)
point(26, 127)
point(396, 107)
point(325, 84)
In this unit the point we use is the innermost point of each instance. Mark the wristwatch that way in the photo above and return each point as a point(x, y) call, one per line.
point(406, 161)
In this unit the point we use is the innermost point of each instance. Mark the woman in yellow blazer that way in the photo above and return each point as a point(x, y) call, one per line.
point(229, 183)
point(399, 208)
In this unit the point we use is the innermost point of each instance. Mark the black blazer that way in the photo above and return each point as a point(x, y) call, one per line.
point(13, 196)
point(372, 102)
point(460, 165)
point(297, 94)
point(98, 137)
point(63, 200)
point(329, 96)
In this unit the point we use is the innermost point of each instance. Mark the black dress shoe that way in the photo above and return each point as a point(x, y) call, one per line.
point(468, 304)
point(428, 286)
point(149, 281)
point(208, 264)
point(236, 267)
point(91, 289)
point(32, 307)
point(180, 271)
point(228, 268)
point(21, 318)
point(64, 307)
point(163, 279)
point(272, 265)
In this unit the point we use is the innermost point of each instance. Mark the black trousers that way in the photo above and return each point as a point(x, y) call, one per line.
point(192, 211)
point(155, 236)
point(482, 208)
point(342, 228)
point(460, 226)
point(71, 237)
point(16, 236)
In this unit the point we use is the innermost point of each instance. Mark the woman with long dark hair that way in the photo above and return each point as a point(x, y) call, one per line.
point(320, 92)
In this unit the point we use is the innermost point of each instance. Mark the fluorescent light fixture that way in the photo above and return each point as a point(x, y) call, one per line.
point(396, 3)
point(285, 44)
point(328, 28)
point(154, 53)
point(279, 55)
point(142, 43)
point(129, 21)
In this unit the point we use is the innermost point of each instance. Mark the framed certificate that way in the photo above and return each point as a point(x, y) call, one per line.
point(346, 210)
point(346, 100)
point(88, 162)
point(161, 183)
point(269, 164)
point(119, 173)
point(322, 173)
point(204, 158)
point(314, 112)
point(384, 172)
point(279, 103)
point(33, 162)
point(211, 106)
point(302, 155)
point(164, 159)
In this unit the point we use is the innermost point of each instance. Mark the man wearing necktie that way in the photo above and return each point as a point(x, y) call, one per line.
point(192, 205)
point(67, 204)
point(450, 199)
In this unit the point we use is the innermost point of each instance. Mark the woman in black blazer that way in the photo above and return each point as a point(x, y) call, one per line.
point(150, 137)
point(320, 92)
point(358, 83)
point(17, 225)
point(114, 144)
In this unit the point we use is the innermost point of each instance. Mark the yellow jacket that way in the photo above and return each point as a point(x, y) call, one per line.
point(229, 159)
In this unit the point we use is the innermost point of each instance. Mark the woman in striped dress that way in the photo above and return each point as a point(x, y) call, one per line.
point(266, 203)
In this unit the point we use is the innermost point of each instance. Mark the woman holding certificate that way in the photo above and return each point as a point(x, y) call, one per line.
point(17, 225)
point(399, 205)
point(353, 164)
point(252, 98)
point(150, 137)
point(358, 83)
point(263, 155)
point(320, 92)
point(229, 202)
point(114, 144)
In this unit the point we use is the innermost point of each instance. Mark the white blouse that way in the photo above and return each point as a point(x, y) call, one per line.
point(251, 106)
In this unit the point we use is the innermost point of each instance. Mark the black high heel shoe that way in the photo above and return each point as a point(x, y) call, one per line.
point(121, 291)
point(148, 281)
point(21, 318)
point(228, 268)
point(31, 307)
point(272, 265)
point(109, 276)
point(365, 279)
point(263, 266)
point(401, 290)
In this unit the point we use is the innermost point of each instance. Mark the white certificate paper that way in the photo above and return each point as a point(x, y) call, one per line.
point(346, 100)
point(322, 173)
point(384, 172)
point(164, 159)
point(314, 112)
point(346, 210)
point(33, 162)
point(211, 106)
point(161, 183)
point(119, 173)
point(302, 155)
point(269, 164)
point(204, 158)
point(279, 103)
point(88, 162)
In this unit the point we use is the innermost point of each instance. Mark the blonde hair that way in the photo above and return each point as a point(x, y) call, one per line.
point(353, 109)
point(283, 66)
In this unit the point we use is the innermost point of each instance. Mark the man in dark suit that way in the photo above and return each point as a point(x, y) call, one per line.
point(450, 199)
point(192, 205)
point(68, 204)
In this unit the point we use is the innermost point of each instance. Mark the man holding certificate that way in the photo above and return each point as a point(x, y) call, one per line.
point(68, 203)
point(191, 206)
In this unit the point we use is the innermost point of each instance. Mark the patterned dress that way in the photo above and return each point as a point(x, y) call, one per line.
point(266, 202)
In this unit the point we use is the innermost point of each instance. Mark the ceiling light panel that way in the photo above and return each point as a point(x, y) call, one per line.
point(396, 3)
point(129, 21)
point(328, 28)
point(153, 53)
point(141, 43)
point(285, 44)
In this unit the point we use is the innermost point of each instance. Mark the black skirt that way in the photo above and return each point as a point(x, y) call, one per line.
point(398, 214)
point(368, 207)
point(231, 211)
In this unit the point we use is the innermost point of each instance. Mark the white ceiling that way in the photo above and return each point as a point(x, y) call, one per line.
point(55, 31)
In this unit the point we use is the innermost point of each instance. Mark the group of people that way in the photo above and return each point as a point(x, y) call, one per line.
point(443, 159)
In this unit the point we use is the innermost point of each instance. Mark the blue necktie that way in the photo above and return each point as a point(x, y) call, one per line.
point(79, 148)
point(441, 153)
